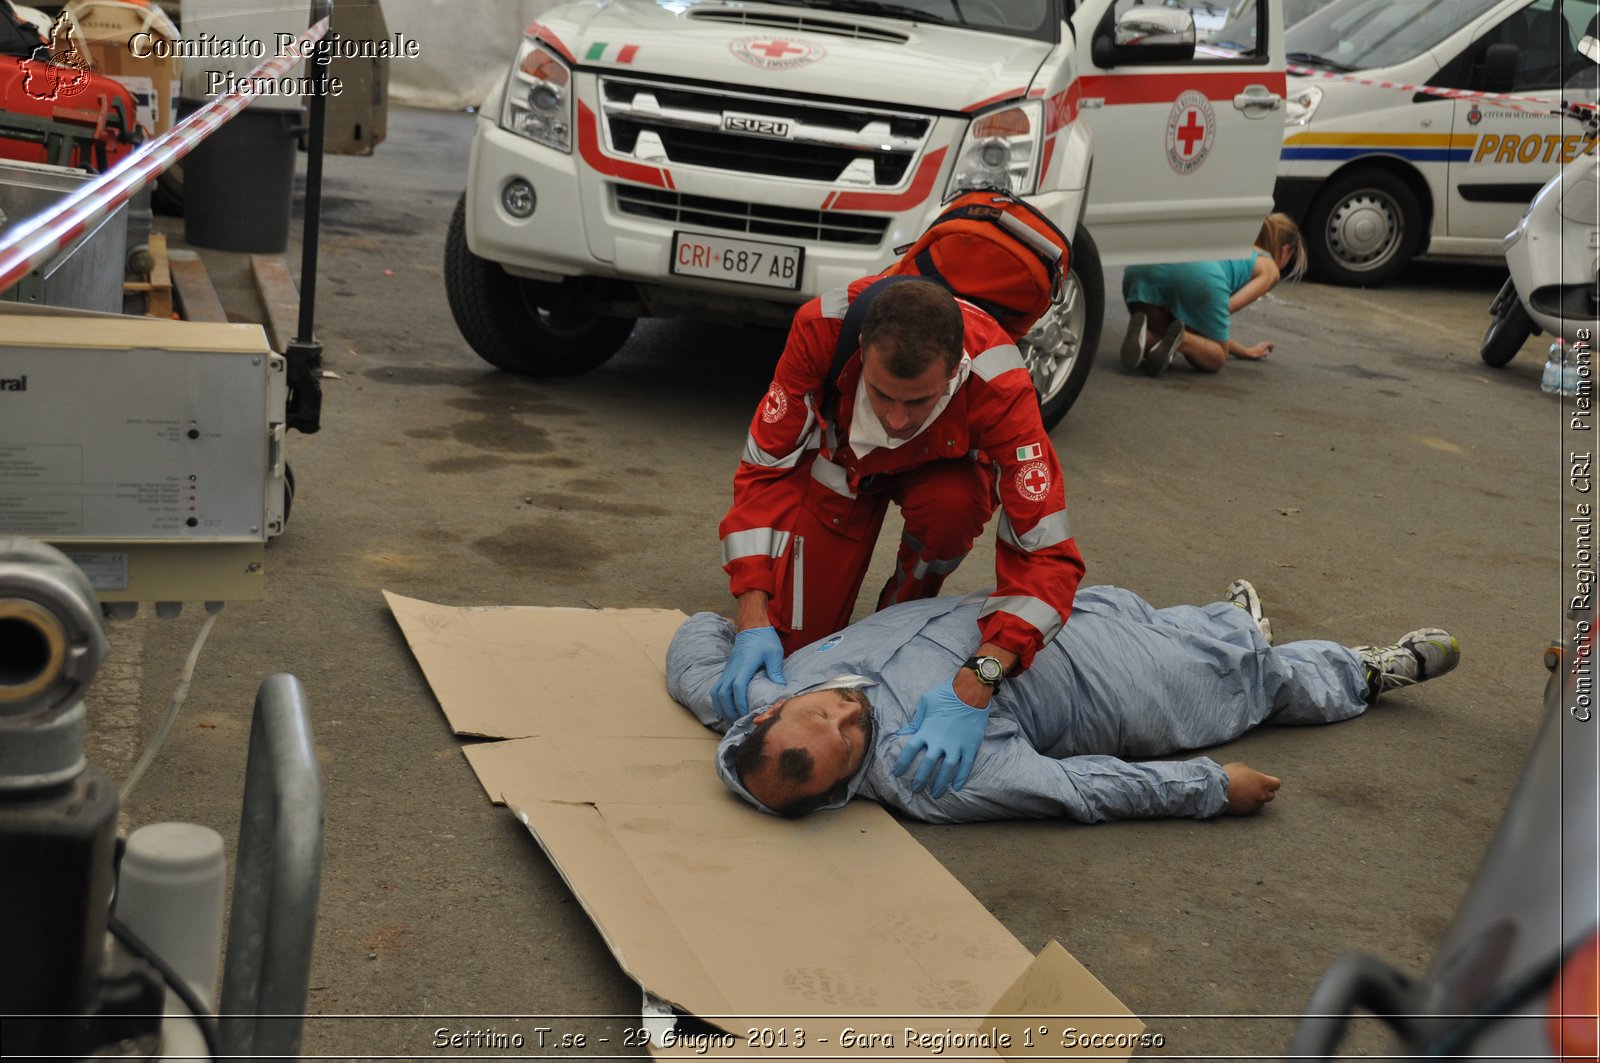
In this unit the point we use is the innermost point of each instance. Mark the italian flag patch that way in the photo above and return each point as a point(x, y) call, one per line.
point(611, 53)
point(1029, 453)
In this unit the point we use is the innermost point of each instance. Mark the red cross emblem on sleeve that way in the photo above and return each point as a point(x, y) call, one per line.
point(1033, 481)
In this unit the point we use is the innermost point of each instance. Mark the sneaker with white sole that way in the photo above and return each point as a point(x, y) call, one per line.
point(1159, 356)
point(1133, 342)
point(1419, 656)
point(1242, 592)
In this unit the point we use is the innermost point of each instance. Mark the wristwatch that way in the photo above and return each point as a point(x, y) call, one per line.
point(988, 669)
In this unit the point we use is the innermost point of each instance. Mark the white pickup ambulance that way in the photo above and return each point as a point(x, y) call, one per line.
point(732, 158)
point(1376, 175)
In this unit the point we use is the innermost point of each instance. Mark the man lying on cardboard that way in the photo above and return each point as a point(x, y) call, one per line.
point(1122, 680)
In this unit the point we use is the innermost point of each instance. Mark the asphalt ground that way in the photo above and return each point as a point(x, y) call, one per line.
point(1371, 476)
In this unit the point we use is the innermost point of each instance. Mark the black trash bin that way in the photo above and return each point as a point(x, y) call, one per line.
point(238, 185)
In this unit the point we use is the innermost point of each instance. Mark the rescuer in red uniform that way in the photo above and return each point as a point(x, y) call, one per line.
point(935, 412)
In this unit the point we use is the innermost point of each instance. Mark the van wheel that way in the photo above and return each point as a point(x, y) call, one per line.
point(1363, 229)
point(1059, 349)
point(1506, 334)
point(518, 325)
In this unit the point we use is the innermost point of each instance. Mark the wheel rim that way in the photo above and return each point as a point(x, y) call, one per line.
point(1365, 229)
point(1051, 348)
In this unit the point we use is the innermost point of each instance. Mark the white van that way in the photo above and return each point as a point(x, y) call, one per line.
point(733, 158)
point(1376, 176)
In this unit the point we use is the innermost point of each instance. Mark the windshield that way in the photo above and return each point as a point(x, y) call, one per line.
point(1238, 34)
point(1368, 34)
point(1037, 19)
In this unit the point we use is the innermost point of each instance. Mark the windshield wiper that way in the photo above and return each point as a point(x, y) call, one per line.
point(1313, 59)
point(874, 7)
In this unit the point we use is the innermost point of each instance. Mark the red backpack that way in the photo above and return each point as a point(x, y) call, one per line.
point(988, 247)
point(996, 252)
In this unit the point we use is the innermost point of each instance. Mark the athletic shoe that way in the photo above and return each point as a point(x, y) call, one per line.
point(1159, 356)
point(1133, 342)
point(1242, 592)
point(1419, 656)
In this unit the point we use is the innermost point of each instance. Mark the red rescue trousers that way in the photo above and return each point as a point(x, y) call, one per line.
point(945, 505)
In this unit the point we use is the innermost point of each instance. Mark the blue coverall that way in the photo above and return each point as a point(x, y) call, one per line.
point(1122, 680)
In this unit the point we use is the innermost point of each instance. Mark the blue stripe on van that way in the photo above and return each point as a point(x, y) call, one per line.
point(1414, 154)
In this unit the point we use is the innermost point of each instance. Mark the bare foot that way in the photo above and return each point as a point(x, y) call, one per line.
point(1248, 789)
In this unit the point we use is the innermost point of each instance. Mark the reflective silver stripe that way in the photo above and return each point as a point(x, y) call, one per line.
point(831, 476)
point(756, 542)
point(997, 360)
point(943, 568)
point(1055, 528)
point(1035, 239)
point(754, 455)
point(835, 303)
point(797, 607)
point(908, 540)
point(1045, 619)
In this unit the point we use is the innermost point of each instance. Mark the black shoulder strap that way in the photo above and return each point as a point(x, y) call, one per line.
point(850, 334)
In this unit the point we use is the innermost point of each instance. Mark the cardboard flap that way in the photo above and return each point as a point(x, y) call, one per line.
point(745, 920)
point(1058, 1009)
point(512, 672)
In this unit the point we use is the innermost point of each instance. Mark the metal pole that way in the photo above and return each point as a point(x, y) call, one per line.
point(304, 352)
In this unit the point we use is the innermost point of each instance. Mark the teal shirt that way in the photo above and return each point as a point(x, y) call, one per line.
point(1197, 293)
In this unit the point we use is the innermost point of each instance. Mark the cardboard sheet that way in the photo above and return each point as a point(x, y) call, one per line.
point(733, 916)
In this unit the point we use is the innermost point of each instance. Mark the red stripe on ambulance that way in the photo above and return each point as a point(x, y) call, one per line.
point(600, 162)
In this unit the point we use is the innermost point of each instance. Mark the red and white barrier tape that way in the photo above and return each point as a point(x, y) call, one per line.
point(35, 242)
point(1499, 98)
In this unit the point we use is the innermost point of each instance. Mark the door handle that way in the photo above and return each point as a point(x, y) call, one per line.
point(1257, 101)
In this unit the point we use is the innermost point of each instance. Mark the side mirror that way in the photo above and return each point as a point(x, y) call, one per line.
point(1497, 70)
point(1146, 35)
point(1589, 48)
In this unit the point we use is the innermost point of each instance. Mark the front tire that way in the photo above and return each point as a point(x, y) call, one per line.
point(1363, 229)
point(1059, 349)
point(1507, 333)
point(518, 325)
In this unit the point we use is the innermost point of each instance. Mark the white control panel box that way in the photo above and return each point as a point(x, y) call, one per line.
point(150, 451)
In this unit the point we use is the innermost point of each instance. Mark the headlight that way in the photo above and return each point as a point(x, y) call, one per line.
point(1302, 105)
point(1001, 150)
point(538, 101)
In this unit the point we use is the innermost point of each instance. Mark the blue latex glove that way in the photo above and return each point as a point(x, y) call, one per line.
point(946, 731)
point(753, 649)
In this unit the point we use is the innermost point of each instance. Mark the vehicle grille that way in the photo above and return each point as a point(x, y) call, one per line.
point(860, 147)
point(799, 24)
point(756, 219)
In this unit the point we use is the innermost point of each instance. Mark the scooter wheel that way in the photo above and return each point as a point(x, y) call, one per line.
point(1506, 334)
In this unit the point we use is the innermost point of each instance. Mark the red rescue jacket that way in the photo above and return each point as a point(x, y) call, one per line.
point(993, 416)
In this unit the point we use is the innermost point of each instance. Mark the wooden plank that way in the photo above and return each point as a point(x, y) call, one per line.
point(196, 295)
point(158, 301)
point(280, 300)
